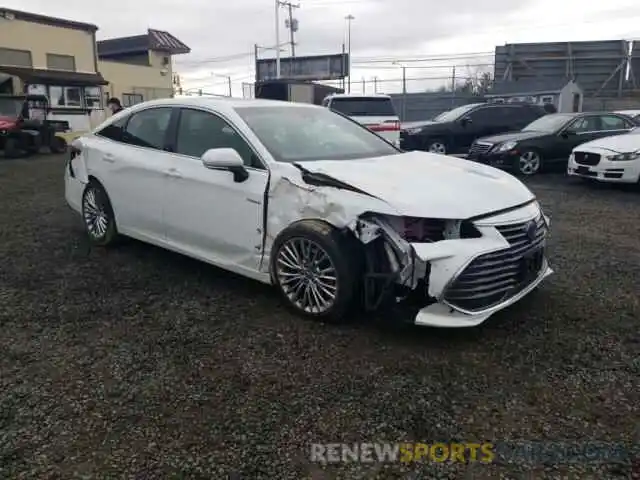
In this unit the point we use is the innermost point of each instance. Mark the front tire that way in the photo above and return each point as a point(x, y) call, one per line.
point(97, 213)
point(437, 146)
point(529, 163)
point(58, 145)
point(316, 269)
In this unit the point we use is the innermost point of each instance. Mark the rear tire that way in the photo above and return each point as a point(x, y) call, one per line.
point(97, 213)
point(317, 270)
point(11, 149)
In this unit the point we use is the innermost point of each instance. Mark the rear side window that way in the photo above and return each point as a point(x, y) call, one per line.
point(612, 122)
point(114, 131)
point(364, 107)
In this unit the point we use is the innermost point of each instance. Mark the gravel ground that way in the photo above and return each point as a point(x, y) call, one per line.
point(139, 363)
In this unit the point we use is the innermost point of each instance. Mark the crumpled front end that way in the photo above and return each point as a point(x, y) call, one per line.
point(467, 276)
point(450, 273)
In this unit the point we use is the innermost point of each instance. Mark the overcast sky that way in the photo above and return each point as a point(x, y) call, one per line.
point(222, 34)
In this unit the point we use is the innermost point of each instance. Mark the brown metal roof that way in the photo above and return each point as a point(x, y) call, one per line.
point(152, 40)
point(46, 20)
point(37, 75)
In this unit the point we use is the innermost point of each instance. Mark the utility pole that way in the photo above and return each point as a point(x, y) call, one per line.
point(375, 84)
point(230, 88)
point(277, 2)
point(364, 85)
point(255, 62)
point(292, 24)
point(453, 86)
point(349, 18)
point(404, 89)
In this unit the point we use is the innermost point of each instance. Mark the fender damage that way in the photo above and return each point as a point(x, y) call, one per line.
point(419, 271)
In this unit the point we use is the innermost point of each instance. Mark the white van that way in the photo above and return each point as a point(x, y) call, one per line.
point(375, 112)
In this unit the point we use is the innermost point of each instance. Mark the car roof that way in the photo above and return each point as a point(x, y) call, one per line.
point(220, 103)
point(356, 95)
point(628, 112)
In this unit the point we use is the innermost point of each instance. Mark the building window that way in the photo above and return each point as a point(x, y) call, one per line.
point(15, 58)
point(129, 99)
point(547, 100)
point(61, 62)
point(92, 97)
point(65, 97)
point(165, 61)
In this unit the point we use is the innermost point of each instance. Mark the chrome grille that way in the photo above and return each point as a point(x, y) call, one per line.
point(495, 277)
point(479, 148)
point(584, 158)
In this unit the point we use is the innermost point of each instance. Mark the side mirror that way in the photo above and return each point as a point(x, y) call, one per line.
point(568, 133)
point(225, 159)
point(465, 121)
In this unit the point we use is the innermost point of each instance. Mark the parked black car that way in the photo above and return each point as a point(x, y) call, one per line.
point(546, 143)
point(454, 131)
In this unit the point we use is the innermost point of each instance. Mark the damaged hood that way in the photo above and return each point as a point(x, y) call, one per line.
point(421, 184)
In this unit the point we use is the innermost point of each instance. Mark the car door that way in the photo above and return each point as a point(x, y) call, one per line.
point(582, 129)
point(482, 122)
point(137, 167)
point(207, 213)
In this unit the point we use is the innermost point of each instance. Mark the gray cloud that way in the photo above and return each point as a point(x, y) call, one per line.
point(218, 29)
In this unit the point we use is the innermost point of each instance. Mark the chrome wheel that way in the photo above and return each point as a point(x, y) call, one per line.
point(306, 275)
point(96, 218)
point(529, 163)
point(438, 147)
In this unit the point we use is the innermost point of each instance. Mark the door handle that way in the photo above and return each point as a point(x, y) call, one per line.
point(108, 158)
point(173, 172)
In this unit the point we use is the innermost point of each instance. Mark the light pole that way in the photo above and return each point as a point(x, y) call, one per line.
point(404, 89)
point(349, 18)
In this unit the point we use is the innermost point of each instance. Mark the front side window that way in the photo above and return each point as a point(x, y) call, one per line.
point(199, 131)
point(585, 124)
point(486, 115)
point(455, 114)
point(148, 128)
point(302, 133)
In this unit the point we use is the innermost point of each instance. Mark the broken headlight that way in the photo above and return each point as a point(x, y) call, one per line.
point(428, 230)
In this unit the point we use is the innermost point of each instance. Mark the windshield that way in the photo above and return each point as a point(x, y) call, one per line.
point(551, 122)
point(10, 107)
point(454, 114)
point(363, 106)
point(302, 133)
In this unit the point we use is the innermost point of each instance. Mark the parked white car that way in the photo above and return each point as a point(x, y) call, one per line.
point(610, 159)
point(376, 112)
point(297, 196)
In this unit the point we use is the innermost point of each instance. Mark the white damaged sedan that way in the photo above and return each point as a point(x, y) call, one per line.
point(310, 201)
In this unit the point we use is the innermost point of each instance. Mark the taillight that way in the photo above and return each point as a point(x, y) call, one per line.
point(388, 126)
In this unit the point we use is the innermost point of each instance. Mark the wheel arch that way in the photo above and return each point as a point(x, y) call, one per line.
point(92, 179)
point(321, 225)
